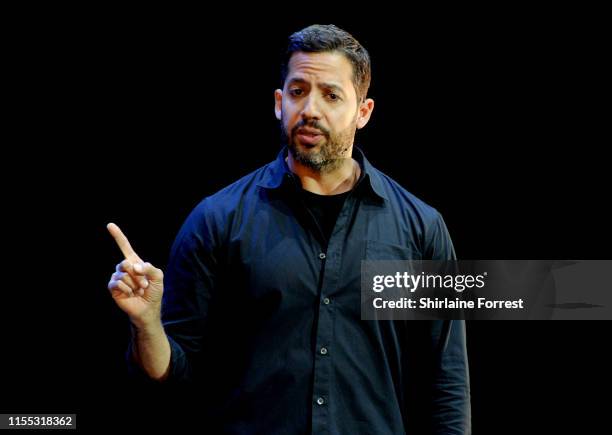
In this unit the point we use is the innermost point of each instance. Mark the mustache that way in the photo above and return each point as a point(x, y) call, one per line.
point(310, 124)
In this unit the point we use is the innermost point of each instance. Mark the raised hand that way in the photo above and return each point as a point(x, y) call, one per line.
point(136, 286)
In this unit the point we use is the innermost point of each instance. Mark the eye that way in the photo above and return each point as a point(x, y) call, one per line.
point(296, 92)
point(333, 97)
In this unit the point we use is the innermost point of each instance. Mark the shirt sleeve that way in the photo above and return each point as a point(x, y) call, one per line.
point(438, 243)
point(451, 409)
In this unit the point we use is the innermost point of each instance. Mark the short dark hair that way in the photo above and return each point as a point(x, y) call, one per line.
point(325, 38)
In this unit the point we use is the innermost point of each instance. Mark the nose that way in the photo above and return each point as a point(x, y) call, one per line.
point(311, 109)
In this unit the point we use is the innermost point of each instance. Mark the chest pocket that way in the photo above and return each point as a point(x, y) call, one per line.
point(375, 250)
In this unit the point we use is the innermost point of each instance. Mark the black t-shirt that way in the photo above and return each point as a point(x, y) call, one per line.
point(325, 209)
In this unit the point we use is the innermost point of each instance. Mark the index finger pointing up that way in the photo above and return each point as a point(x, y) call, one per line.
point(122, 242)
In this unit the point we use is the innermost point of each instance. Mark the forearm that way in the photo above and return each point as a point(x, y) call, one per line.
point(151, 350)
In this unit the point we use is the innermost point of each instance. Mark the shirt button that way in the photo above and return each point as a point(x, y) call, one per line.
point(326, 301)
point(323, 351)
point(322, 255)
point(320, 401)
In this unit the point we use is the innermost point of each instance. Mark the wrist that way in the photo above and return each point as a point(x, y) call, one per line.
point(150, 326)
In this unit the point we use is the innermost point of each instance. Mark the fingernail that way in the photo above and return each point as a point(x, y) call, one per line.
point(138, 267)
point(144, 284)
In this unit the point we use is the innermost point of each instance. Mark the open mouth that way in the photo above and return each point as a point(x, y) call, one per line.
point(309, 136)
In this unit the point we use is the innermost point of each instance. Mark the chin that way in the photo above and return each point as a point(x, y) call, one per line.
point(310, 146)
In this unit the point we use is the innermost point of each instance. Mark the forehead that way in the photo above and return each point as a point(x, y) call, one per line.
point(328, 66)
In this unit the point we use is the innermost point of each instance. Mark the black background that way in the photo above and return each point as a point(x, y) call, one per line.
point(496, 118)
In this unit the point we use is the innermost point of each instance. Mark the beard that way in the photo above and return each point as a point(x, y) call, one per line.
point(322, 157)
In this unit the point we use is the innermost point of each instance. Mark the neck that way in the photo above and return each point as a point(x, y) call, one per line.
point(339, 180)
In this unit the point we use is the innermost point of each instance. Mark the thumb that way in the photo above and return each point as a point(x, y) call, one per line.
point(149, 271)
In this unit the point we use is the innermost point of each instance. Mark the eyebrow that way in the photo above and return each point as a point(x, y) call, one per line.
point(331, 86)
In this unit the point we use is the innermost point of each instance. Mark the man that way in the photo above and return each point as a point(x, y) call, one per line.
point(261, 298)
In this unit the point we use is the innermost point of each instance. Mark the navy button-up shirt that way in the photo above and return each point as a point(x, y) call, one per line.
point(263, 313)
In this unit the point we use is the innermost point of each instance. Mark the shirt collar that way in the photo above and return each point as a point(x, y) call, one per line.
point(278, 173)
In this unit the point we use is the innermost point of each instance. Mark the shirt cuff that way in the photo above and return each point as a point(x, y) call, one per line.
point(180, 370)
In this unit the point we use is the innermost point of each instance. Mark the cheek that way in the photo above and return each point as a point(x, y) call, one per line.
point(287, 122)
point(289, 116)
point(341, 122)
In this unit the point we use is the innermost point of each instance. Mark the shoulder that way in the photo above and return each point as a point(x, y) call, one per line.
point(403, 201)
point(216, 210)
point(422, 221)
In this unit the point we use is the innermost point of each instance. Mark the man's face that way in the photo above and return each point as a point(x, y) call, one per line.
point(318, 109)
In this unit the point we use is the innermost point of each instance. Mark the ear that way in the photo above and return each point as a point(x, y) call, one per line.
point(365, 111)
point(278, 103)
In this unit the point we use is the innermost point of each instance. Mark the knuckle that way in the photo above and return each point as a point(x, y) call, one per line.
point(154, 269)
